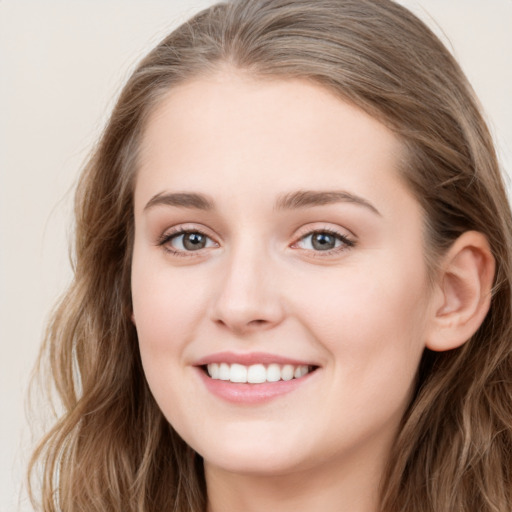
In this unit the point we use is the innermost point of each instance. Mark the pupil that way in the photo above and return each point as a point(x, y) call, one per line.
point(194, 241)
point(323, 241)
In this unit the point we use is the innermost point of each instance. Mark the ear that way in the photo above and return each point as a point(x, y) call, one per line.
point(463, 292)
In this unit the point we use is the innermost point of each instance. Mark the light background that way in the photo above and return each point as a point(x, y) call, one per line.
point(62, 64)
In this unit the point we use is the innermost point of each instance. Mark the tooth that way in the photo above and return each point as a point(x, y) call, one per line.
point(256, 374)
point(213, 370)
point(273, 373)
point(287, 372)
point(238, 373)
point(223, 371)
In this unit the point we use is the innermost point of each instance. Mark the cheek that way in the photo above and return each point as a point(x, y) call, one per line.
point(372, 319)
point(168, 307)
point(366, 299)
point(165, 303)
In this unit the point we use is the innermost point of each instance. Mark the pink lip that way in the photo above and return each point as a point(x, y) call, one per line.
point(251, 393)
point(247, 359)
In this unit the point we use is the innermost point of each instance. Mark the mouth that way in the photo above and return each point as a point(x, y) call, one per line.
point(256, 373)
point(254, 378)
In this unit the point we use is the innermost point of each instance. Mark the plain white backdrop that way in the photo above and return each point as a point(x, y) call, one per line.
point(62, 64)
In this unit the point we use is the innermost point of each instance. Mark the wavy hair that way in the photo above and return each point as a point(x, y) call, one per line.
point(112, 449)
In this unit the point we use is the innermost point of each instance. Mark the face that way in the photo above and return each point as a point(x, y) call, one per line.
point(276, 243)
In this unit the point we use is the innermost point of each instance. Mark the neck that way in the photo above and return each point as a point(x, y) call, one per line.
point(351, 487)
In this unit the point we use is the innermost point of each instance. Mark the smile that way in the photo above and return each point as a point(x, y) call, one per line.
point(253, 378)
point(256, 373)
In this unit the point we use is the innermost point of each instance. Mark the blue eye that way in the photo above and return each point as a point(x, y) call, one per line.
point(183, 242)
point(324, 241)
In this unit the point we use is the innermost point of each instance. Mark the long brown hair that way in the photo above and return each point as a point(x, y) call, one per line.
point(112, 449)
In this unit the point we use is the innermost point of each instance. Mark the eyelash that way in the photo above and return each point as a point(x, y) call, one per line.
point(166, 238)
point(346, 242)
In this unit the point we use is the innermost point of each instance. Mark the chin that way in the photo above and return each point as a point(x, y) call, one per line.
point(252, 456)
point(254, 465)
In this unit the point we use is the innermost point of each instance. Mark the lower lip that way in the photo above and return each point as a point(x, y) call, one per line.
point(251, 393)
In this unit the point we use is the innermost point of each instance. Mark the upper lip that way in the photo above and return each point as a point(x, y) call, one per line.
point(249, 358)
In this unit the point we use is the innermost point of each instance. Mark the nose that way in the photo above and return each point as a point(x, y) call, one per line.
point(248, 296)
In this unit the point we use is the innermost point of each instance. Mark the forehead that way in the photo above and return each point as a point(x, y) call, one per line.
point(230, 128)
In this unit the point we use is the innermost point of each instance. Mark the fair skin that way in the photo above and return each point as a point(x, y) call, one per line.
point(335, 285)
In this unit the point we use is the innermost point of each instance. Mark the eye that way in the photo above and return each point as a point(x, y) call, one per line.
point(324, 241)
point(183, 241)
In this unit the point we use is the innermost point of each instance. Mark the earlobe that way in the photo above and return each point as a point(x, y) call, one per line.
point(463, 292)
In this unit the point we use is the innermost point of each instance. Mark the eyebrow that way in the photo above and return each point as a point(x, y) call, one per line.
point(291, 201)
point(181, 199)
point(308, 198)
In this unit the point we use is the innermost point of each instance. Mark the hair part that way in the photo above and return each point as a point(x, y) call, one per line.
point(112, 448)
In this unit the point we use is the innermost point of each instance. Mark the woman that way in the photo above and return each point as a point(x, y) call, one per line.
point(292, 283)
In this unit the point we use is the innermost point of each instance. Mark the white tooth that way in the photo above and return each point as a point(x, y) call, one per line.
point(223, 371)
point(287, 372)
point(297, 373)
point(273, 373)
point(238, 373)
point(304, 370)
point(213, 370)
point(256, 374)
